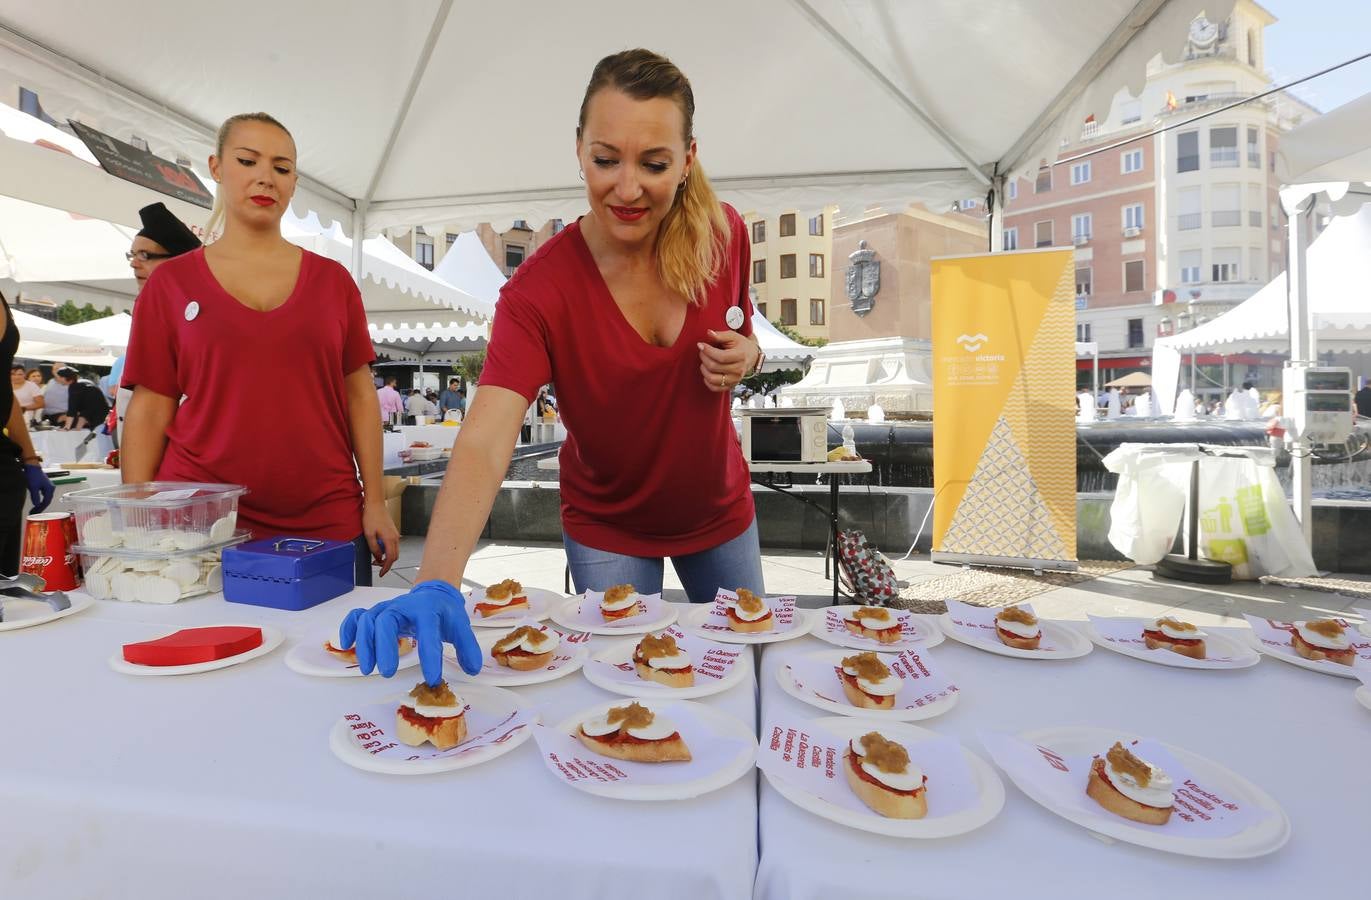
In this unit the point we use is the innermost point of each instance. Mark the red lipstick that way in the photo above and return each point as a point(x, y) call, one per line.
point(628, 213)
point(263, 200)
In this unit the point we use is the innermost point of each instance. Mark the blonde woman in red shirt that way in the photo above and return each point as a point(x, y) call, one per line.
point(639, 313)
point(224, 327)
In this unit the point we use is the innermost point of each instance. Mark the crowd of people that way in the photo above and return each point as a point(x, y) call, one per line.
point(401, 406)
point(68, 399)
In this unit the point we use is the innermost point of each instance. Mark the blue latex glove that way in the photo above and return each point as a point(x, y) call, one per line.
point(40, 488)
point(433, 612)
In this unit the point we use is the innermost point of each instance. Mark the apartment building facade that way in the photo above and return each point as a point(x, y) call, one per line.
point(791, 261)
point(507, 248)
point(1170, 228)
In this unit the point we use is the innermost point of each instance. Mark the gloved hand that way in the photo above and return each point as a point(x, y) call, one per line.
point(433, 612)
point(40, 488)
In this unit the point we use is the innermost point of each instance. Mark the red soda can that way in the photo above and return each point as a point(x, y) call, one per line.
point(48, 538)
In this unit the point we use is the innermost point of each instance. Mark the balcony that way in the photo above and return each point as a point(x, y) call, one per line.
point(1189, 221)
point(1132, 231)
point(1225, 217)
point(1080, 240)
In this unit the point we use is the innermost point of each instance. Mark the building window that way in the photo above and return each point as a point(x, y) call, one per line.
point(1135, 334)
point(1133, 217)
point(788, 311)
point(1190, 216)
point(1252, 48)
point(1080, 228)
point(761, 308)
point(1190, 266)
point(1011, 238)
point(1014, 189)
point(1083, 332)
point(816, 224)
point(1083, 284)
point(514, 255)
point(1225, 205)
point(1271, 161)
point(1223, 147)
point(1131, 161)
point(788, 266)
point(423, 250)
point(521, 225)
point(1225, 265)
point(450, 238)
point(557, 226)
point(816, 312)
point(1133, 276)
point(1254, 206)
point(787, 225)
point(816, 265)
point(1130, 112)
point(759, 271)
point(1254, 154)
point(1256, 269)
point(1042, 234)
point(759, 231)
point(1188, 151)
point(1044, 182)
point(1080, 172)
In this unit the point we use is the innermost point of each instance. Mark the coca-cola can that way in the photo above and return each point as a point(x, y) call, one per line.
point(48, 539)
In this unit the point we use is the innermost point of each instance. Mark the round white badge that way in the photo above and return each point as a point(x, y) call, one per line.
point(734, 317)
point(192, 310)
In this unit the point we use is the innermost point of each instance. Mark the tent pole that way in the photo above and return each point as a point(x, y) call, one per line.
point(1297, 288)
point(359, 233)
point(997, 214)
point(1097, 374)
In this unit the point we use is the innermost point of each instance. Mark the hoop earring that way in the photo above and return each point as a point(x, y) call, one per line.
point(682, 185)
point(580, 173)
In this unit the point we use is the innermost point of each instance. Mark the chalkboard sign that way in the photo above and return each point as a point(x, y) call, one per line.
point(141, 167)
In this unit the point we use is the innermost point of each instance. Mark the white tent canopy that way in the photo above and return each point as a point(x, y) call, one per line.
point(34, 328)
point(1334, 147)
point(38, 243)
point(436, 343)
point(1339, 305)
point(467, 266)
point(781, 352)
point(800, 103)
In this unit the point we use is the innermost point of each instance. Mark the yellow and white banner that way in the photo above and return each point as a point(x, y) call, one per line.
point(1004, 432)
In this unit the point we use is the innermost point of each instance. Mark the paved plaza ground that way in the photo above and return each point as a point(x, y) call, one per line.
point(1131, 592)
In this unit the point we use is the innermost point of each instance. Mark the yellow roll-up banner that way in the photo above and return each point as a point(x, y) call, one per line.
point(1004, 433)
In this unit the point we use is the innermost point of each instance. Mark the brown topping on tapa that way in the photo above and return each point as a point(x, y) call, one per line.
point(438, 695)
point(507, 588)
point(618, 593)
point(749, 602)
point(651, 647)
point(635, 715)
point(887, 756)
point(1016, 614)
point(1126, 763)
point(868, 666)
point(1326, 627)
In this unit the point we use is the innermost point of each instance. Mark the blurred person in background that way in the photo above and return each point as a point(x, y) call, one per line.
point(28, 395)
point(21, 469)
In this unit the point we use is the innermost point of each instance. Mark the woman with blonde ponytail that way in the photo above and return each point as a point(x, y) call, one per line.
point(223, 329)
point(639, 313)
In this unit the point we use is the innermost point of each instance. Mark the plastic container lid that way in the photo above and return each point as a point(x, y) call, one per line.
point(155, 494)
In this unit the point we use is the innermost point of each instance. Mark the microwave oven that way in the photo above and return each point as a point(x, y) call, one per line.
point(785, 435)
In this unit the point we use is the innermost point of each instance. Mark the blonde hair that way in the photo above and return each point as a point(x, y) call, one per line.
point(216, 215)
point(693, 238)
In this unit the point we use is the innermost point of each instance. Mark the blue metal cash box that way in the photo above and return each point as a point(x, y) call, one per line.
point(288, 573)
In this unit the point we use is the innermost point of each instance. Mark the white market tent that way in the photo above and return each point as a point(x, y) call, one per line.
point(39, 243)
point(34, 328)
point(800, 103)
point(443, 343)
point(781, 352)
point(467, 266)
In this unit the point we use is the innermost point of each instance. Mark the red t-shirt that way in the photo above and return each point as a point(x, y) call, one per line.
point(651, 465)
point(265, 400)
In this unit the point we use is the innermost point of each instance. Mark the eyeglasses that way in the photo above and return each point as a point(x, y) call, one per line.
point(145, 256)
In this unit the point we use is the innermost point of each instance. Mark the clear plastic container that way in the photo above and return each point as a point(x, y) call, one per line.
point(154, 575)
point(161, 516)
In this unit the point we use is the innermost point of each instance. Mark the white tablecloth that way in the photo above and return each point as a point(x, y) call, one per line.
point(222, 785)
point(436, 435)
point(57, 446)
point(391, 445)
point(1298, 734)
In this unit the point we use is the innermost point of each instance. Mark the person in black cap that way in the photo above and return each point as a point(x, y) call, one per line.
point(161, 237)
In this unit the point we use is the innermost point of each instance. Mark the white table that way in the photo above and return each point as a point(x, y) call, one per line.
point(57, 446)
point(222, 785)
point(442, 436)
point(391, 445)
point(1298, 734)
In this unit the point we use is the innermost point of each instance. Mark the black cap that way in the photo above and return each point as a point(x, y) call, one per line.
point(161, 226)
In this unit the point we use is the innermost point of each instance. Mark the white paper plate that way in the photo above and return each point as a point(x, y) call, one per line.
point(1288, 655)
point(929, 635)
point(843, 708)
point(989, 789)
point(310, 658)
point(799, 627)
point(1074, 644)
point(20, 612)
point(724, 725)
point(1243, 654)
point(564, 614)
point(622, 652)
point(502, 676)
point(496, 701)
point(1264, 837)
point(271, 639)
point(540, 603)
point(1363, 695)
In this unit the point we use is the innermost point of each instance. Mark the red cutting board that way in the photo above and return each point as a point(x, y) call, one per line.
point(194, 645)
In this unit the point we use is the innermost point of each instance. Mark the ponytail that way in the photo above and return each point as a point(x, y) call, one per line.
point(693, 239)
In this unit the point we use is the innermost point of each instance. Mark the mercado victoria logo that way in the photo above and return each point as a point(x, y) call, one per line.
point(972, 342)
point(972, 367)
point(131, 163)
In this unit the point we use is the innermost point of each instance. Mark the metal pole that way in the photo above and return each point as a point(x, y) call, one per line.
point(1096, 396)
point(1194, 549)
point(359, 232)
point(1297, 288)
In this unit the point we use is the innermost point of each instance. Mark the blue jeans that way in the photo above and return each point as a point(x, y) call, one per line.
point(732, 564)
